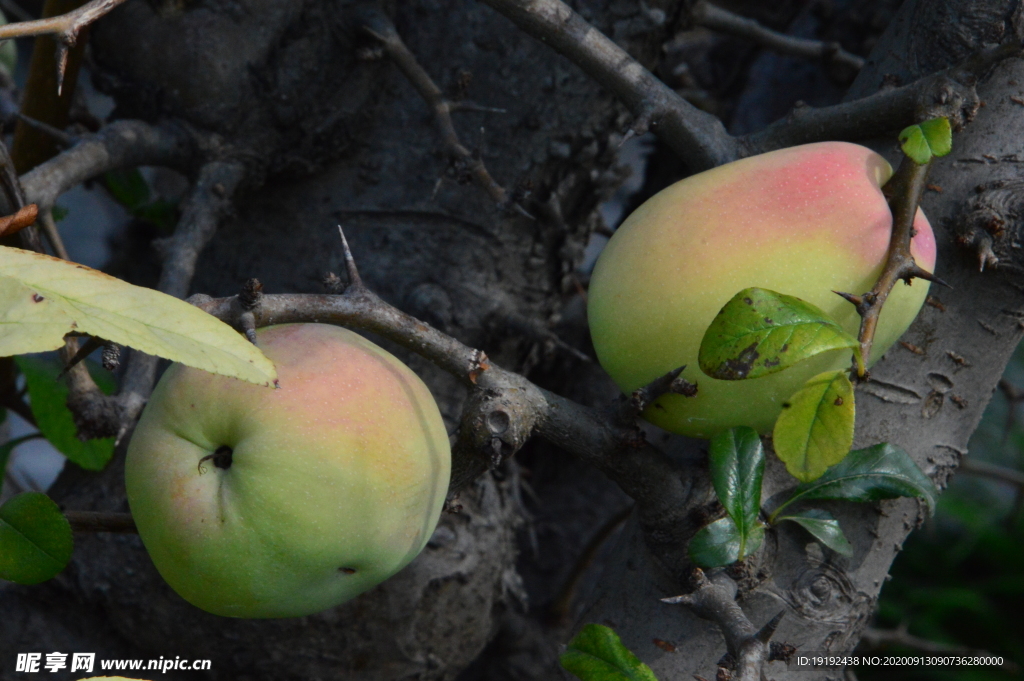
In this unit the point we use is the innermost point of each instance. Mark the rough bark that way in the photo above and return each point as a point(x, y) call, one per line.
point(330, 132)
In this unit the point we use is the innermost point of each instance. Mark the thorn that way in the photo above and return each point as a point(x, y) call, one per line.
point(87, 349)
point(350, 264)
point(768, 630)
point(916, 271)
point(62, 63)
point(514, 205)
point(849, 297)
point(630, 134)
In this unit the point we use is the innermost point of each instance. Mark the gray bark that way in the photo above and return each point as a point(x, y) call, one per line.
point(330, 137)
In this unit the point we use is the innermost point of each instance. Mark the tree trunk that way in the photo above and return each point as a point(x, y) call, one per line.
point(331, 133)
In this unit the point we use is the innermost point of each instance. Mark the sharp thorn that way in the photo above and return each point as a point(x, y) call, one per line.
point(916, 271)
point(768, 630)
point(350, 263)
point(849, 297)
point(522, 211)
point(90, 346)
point(62, 65)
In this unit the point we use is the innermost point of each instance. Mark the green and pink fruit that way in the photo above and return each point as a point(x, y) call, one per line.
point(254, 502)
point(804, 221)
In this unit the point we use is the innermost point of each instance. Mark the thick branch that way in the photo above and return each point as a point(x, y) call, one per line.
point(122, 144)
point(505, 409)
point(948, 93)
point(697, 137)
point(721, 20)
point(715, 600)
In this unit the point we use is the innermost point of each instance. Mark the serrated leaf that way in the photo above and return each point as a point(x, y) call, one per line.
point(822, 527)
point(596, 653)
point(815, 429)
point(737, 469)
point(882, 471)
point(35, 539)
point(720, 543)
point(760, 332)
point(42, 298)
point(48, 399)
point(924, 140)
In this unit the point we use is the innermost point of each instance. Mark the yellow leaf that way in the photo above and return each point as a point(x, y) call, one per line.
point(43, 298)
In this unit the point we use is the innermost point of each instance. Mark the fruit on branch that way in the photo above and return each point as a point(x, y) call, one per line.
point(255, 502)
point(804, 221)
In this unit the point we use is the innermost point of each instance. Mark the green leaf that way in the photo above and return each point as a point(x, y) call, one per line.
point(58, 213)
point(35, 539)
point(924, 140)
point(720, 543)
point(815, 428)
point(737, 468)
point(128, 187)
point(596, 653)
point(48, 397)
point(760, 332)
point(883, 471)
point(43, 298)
point(824, 528)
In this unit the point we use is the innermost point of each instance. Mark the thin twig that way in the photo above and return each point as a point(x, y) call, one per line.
point(904, 190)
point(697, 137)
point(991, 470)
point(209, 202)
point(62, 138)
point(721, 20)
point(49, 226)
point(65, 27)
point(14, 192)
point(376, 23)
point(874, 639)
point(98, 521)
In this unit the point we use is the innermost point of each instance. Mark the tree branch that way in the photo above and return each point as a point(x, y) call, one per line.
point(376, 23)
point(66, 26)
point(715, 600)
point(949, 93)
point(99, 521)
point(717, 19)
point(504, 410)
point(904, 190)
point(99, 415)
point(697, 137)
point(122, 144)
